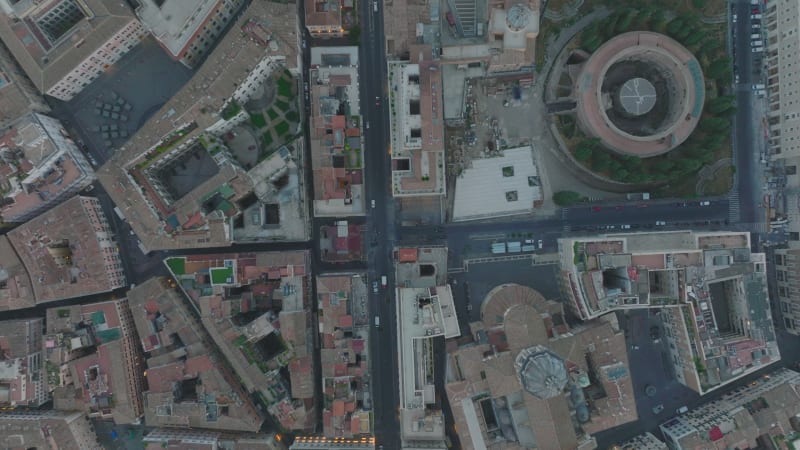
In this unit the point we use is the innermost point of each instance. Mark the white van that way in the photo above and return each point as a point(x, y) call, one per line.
point(377, 322)
point(758, 43)
point(755, 36)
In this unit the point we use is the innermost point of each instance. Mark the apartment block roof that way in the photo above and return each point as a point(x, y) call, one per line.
point(189, 384)
point(323, 13)
point(177, 439)
point(343, 357)
point(336, 154)
point(174, 23)
point(517, 323)
point(263, 30)
point(46, 62)
point(37, 167)
point(44, 429)
point(410, 273)
point(98, 380)
point(68, 251)
point(707, 280)
point(17, 95)
point(418, 131)
point(765, 408)
point(16, 291)
point(19, 340)
point(223, 287)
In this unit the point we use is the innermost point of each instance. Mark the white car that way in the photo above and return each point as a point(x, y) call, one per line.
point(705, 203)
point(660, 223)
point(541, 244)
point(375, 287)
point(373, 204)
point(625, 227)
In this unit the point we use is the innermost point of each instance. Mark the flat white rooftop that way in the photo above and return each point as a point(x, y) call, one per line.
point(500, 186)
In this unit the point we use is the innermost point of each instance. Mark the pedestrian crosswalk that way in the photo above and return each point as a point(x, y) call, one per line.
point(755, 227)
point(734, 215)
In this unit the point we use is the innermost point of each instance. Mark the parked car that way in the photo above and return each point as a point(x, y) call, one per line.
point(540, 244)
point(655, 334)
point(705, 203)
point(682, 410)
point(657, 409)
point(373, 204)
point(375, 287)
point(625, 227)
point(660, 223)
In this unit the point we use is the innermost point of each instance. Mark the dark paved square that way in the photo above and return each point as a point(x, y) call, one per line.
point(471, 287)
point(144, 79)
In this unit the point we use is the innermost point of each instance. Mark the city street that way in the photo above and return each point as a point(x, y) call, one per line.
point(380, 221)
point(749, 128)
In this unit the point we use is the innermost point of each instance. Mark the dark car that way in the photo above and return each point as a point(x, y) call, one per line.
point(655, 333)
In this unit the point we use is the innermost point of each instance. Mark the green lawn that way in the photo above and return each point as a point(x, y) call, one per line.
point(177, 265)
point(266, 139)
point(282, 128)
point(220, 275)
point(257, 120)
point(285, 87)
point(281, 105)
point(273, 114)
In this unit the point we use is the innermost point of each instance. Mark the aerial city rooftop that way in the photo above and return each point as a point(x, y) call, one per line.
point(488, 224)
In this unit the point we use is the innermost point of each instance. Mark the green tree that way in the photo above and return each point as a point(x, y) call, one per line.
point(657, 21)
point(620, 175)
point(720, 104)
point(719, 69)
point(592, 44)
point(715, 124)
point(699, 4)
point(354, 34)
point(694, 38)
point(642, 17)
point(675, 25)
point(625, 19)
point(601, 161)
point(664, 166)
point(566, 198)
point(583, 153)
point(683, 33)
point(688, 165)
point(710, 45)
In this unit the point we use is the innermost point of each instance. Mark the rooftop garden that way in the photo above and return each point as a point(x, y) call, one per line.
point(177, 265)
point(231, 110)
point(167, 143)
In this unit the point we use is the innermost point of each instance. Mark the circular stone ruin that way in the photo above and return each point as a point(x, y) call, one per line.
point(640, 93)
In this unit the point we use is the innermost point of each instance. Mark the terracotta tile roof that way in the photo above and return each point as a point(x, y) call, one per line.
point(406, 255)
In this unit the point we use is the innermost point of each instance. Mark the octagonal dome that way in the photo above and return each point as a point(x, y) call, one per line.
point(541, 372)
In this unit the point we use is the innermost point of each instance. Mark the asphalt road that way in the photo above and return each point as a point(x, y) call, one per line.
point(380, 220)
point(747, 128)
point(471, 238)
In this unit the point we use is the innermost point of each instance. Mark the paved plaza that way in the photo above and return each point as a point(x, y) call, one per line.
point(144, 79)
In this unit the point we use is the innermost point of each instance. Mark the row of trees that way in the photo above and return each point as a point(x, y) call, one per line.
point(699, 149)
point(687, 30)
